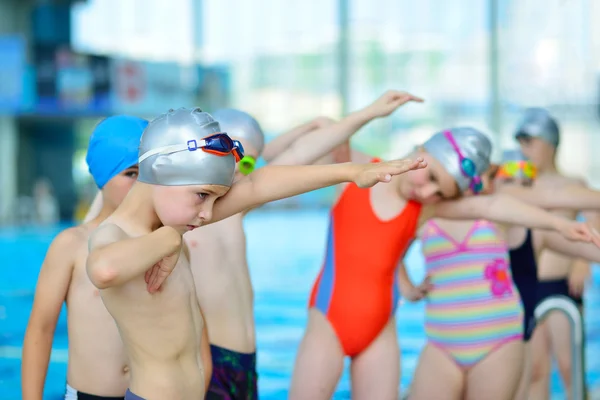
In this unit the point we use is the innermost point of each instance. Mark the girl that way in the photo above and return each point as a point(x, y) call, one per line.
point(354, 297)
point(478, 351)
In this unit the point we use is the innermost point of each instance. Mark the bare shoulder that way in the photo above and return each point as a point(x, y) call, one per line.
point(105, 234)
point(64, 248)
point(70, 238)
point(573, 180)
point(559, 180)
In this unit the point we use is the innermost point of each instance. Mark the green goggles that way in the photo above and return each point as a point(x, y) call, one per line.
point(247, 164)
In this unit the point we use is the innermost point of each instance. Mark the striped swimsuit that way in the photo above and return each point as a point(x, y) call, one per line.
point(474, 306)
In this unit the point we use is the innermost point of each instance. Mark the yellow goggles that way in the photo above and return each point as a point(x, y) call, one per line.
point(517, 169)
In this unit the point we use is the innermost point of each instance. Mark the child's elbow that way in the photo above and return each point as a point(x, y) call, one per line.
point(101, 273)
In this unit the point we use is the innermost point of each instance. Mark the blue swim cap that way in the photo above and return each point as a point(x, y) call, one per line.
point(114, 146)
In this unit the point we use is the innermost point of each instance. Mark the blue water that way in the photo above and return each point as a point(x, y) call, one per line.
point(285, 251)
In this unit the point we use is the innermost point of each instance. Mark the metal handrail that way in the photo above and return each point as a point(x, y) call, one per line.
point(569, 308)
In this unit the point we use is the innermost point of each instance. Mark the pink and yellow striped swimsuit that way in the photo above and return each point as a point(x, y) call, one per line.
point(474, 306)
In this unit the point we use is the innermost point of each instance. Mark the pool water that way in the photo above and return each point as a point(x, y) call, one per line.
point(285, 250)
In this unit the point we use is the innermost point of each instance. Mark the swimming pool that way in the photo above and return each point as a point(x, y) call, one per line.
point(285, 251)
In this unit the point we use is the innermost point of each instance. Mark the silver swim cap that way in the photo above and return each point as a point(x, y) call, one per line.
point(513, 155)
point(171, 151)
point(538, 122)
point(472, 144)
point(240, 125)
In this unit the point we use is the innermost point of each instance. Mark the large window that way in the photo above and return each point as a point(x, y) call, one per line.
point(283, 60)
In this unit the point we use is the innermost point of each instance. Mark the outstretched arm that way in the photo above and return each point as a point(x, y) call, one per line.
point(505, 209)
point(573, 197)
point(116, 258)
point(581, 270)
point(314, 145)
point(556, 242)
point(282, 142)
point(278, 182)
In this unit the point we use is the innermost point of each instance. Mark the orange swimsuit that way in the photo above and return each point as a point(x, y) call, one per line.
point(357, 287)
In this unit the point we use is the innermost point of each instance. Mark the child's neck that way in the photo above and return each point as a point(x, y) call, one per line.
point(137, 208)
point(104, 213)
point(549, 168)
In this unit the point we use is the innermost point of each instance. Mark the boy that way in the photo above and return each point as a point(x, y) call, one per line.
point(95, 367)
point(222, 278)
point(538, 136)
point(186, 165)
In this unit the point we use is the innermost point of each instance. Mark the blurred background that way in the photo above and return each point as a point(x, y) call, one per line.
point(64, 65)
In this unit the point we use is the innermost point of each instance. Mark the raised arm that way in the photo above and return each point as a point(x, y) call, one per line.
point(314, 145)
point(505, 209)
point(115, 258)
point(572, 197)
point(282, 142)
point(278, 182)
point(50, 293)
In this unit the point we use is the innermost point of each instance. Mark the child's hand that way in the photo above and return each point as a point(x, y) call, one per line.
point(370, 174)
point(417, 293)
point(159, 272)
point(578, 231)
point(389, 102)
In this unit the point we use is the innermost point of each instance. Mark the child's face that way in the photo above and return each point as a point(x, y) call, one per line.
point(537, 150)
point(186, 207)
point(117, 188)
point(429, 185)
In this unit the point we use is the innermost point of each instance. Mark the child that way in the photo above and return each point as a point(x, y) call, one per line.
point(186, 165)
point(97, 364)
point(354, 298)
point(538, 135)
point(222, 280)
point(526, 249)
point(476, 328)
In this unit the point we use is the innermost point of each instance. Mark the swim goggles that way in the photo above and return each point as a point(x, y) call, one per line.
point(467, 166)
point(247, 165)
point(512, 169)
point(219, 144)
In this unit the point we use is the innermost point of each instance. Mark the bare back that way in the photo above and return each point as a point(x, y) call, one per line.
point(223, 286)
point(552, 265)
point(97, 360)
point(162, 334)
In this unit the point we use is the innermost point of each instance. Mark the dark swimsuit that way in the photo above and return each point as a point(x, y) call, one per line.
point(234, 375)
point(524, 271)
